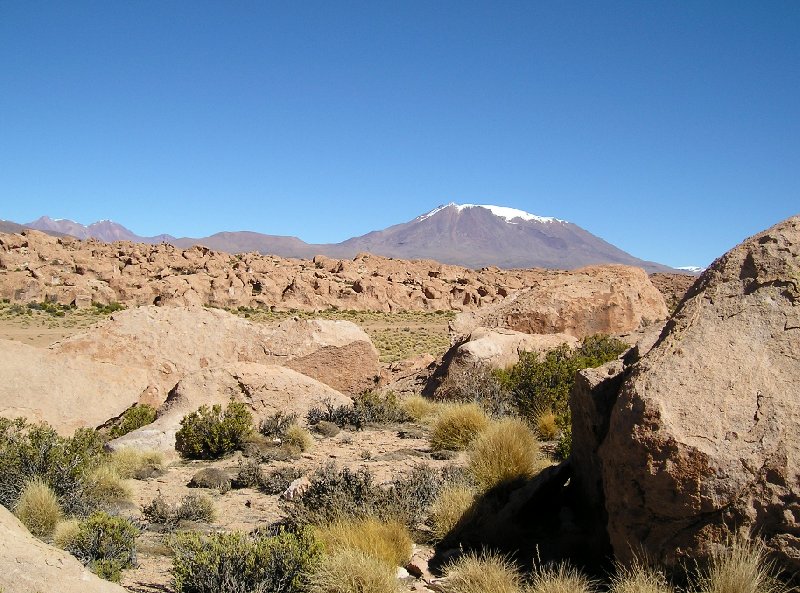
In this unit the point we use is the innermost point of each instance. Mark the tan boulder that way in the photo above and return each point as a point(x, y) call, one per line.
point(265, 389)
point(500, 348)
point(68, 391)
point(704, 435)
point(610, 299)
point(29, 565)
point(172, 342)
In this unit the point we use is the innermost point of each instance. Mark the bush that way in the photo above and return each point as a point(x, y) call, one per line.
point(542, 382)
point(419, 408)
point(480, 573)
point(457, 426)
point(449, 508)
point(561, 578)
point(209, 434)
point(132, 463)
point(234, 562)
point(639, 578)
point(297, 436)
point(476, 383)
point(133, 418)
point(103, 486)
point(352, 571)
point(38, 508)
point(564, 447)
point(740, 567)
point(275, 426)
point(371, 407)
point(505, 452)
point(211, 478)
point(28, 451)
point(194, 507)
point(390, 541)
point(106, 544)
point(279, 479)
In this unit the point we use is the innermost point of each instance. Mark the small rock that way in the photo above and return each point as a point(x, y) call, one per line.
point(297, 488)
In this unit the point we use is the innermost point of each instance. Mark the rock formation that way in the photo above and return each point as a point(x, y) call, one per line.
point(172, 342)
point(500, 348)
point(702, 436)
point(596, 299)
point(264, 389)
point(28, 564)
point(68, 392)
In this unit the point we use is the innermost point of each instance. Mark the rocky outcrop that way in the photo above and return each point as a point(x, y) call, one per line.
point(28, 564)
point(596, 299)
point(67, 391)
point(170, 343)
point(265, 389)
point(703, 434)
point(500, 348)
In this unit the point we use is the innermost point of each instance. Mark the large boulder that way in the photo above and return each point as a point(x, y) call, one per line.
point(265, 389)
point(500, 348)
point(609, 299)
point(173, 342)
point(28, 564)
point(66, 390)
point(704, 433)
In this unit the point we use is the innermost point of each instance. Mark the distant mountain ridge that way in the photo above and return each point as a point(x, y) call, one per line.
point(470, 235)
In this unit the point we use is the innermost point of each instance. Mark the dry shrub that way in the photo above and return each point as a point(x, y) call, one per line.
point(639, 578)
point(103, 485)
point(506, 451)
point(66, 533)
point(353, 571)
point(194, 507)
point(480, 573)
point(419, 408)
point(129, 462)
point(297, 436)
point(547, 425)
point(740, 567)
point(453, 502)
point(561, 578)
point(38, 508)
point(389, 541)
point(457, 426)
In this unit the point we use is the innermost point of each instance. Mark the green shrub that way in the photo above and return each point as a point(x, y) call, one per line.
point(133, 418)
point(564, 447)
point(353, 571)
point(539, 383)
point(371, 407)
point(457, 425)
point(105, 544)
point(112, 307)
point(29, 451)
point(212, 433)
point(38, 508)
point(279, 479)
point(233, 562)
point(275, 426)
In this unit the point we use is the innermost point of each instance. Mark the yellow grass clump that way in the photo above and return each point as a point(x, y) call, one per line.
point(65, 533)
point(419, 408)
point(129, 461)
point(639, 578)
point(740, 567)
point(103, 485)
point(38, 508)
point(386, 541)
point(507, 450)
point(457, 426)
point(561, 578)
point(547, 425)
point(481, 573)
point(452, 503)
point(299, 437)
point(353, 571)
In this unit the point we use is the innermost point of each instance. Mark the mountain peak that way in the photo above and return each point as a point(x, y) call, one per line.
point(509, 214)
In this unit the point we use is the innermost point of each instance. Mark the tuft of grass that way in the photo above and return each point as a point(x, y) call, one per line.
point(38, 508)
point(297, 436)
point(740, 567)
point(66, 533)
point(130, 462)
point(452, 504)
point(561, 578)
point(457, 426)
point(506, 451)
point(639, 578)
point(353, 571)
point(103, 485)
point(389, 541)
point(547, 425)
point(480, 573)
point(419, 408)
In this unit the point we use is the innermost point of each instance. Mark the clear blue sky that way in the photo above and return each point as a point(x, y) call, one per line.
point(671, 129)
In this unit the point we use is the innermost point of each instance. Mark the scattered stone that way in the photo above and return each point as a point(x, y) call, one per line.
point(326, 429)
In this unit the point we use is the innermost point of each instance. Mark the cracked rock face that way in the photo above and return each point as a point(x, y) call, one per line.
point(705, 432)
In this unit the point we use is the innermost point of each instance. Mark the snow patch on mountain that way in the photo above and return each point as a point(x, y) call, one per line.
point(509, 214)
point(693, 269)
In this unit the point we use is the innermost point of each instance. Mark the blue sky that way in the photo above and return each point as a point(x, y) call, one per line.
point(671, 129)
